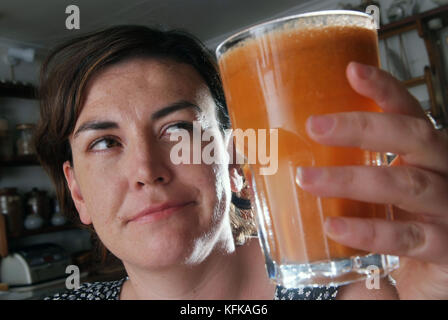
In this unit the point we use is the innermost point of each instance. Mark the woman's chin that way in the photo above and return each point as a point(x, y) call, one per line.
point(158, 255)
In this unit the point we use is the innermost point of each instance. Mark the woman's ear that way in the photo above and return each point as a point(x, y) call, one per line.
point(235, 171)
point(75, 192)
point(236, 178)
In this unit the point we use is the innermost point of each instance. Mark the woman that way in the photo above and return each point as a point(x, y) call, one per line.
point(110, 102)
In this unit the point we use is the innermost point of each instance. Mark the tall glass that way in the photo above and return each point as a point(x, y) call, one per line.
point(275, 76)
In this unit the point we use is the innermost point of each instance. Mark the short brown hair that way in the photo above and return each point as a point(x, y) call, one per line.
point(67, 70)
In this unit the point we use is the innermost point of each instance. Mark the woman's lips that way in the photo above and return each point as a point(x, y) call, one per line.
point(160, 211)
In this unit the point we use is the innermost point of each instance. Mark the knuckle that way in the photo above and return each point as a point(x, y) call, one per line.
point(425, 131)
point(368, 236)
point(365, 128)
point(417, 182)
point(381, 176)
point(363, 122)
point(412, 238)
point(344, 176)
point(382, 91)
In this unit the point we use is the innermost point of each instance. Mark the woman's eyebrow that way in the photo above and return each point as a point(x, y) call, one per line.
point(104, 125)
point(179, 105)
point(95, 125)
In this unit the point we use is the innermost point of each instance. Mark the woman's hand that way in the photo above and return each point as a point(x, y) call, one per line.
point(417, 188)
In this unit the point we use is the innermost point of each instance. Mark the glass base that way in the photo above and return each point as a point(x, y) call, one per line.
point(332, 273)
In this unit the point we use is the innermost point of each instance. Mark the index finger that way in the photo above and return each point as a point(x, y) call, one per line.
point(388, 92)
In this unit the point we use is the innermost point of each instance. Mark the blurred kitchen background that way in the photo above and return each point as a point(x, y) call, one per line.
point(36, 242)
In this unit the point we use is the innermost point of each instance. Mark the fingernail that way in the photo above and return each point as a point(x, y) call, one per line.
point(335, 226)
point(306, 176)
point(364, 71)
point(321, 125)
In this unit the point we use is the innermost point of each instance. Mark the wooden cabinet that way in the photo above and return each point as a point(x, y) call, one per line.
point(17, 90)
point(433, 75)
point(3, 237)
point(22, 91)
point(14, 90)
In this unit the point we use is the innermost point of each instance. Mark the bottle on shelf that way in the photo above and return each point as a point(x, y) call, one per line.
point(38, 209)
point(24, 143)
point(58, 218)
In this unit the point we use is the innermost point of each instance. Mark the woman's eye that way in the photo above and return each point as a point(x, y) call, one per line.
point(103, 144)
point(179, 126)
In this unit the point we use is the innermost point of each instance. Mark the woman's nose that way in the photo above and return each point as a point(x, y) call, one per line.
point(148, 165)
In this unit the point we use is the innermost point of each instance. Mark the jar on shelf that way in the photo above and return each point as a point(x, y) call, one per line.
point(6, 141)
point(12, 209)
point(24, 139)
point(33, 221)
point(58, 218)
point(38, 209)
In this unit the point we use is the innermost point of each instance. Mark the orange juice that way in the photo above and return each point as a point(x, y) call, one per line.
point(276, 81)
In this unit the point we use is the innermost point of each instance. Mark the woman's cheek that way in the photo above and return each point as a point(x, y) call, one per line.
point(102, 189)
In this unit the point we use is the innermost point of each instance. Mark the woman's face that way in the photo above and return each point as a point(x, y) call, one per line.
point(148, 211)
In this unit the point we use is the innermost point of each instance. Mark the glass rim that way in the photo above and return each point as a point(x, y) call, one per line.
point(287, 18)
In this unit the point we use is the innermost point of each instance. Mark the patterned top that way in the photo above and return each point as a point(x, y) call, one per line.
point(306, 293)
point(110, 290)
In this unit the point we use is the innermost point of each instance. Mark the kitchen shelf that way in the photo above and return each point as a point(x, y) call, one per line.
point(44, 230)
point(415, 82)
point(18, 90)
point(434, 76)
point(21, 90)
point(411, 23)
point(20, 161)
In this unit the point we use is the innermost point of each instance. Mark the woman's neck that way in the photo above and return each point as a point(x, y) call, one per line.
point(220, 276)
